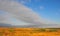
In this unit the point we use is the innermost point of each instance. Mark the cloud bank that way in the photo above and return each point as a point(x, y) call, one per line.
point(21, 12)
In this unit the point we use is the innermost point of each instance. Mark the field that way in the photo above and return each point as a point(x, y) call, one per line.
point(29, 31)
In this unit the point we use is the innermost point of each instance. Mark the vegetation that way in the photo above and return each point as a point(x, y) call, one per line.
point(29, 32)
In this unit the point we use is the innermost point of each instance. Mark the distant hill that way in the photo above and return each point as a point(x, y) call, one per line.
point(5, 25)
point(34, 26)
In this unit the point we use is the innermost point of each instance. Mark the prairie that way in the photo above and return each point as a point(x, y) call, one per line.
point(29, 31)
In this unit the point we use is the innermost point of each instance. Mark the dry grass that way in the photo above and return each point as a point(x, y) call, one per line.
point(29, 31)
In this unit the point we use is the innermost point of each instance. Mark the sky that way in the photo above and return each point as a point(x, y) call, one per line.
point(24, 12)
point(48, 9)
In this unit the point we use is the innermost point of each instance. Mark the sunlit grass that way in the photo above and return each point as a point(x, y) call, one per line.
point(29, 31)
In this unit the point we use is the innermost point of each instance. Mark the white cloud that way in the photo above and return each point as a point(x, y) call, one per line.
point(57, 13)
point(25, 1)
point(37, 0)
point(22, 2)
point(7, 18)
point(22, 12)
point(41, 7)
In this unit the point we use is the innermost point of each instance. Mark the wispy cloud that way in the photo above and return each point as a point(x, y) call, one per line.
point(37, 0)
point(22, 12)
point(25, 1)
point(42, 7)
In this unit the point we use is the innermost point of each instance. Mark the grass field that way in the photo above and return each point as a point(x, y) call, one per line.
point(29, 31)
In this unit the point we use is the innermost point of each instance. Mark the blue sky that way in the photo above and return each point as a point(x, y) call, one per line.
point(31, 11)
point(49, 9)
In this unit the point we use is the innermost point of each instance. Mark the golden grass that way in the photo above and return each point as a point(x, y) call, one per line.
point(29, 31)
